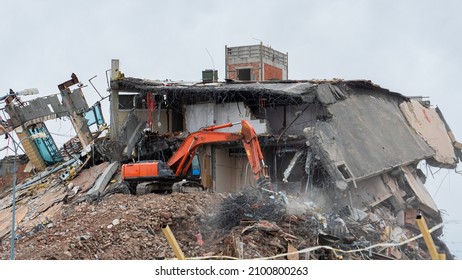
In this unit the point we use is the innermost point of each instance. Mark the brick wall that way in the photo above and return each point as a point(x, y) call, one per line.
point(232, 73)
point(272, 72)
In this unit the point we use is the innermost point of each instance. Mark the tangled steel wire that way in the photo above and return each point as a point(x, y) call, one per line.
point(251, 204)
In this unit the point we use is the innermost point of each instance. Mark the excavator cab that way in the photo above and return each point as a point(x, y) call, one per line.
point(195, 168)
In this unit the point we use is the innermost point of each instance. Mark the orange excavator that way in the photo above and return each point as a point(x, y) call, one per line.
point(158, 176)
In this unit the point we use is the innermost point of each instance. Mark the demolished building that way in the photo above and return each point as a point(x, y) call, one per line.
point(350, 146)
point(349, 151)
point(28, 118)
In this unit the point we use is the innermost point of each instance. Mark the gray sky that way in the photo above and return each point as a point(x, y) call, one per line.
point(411, 47)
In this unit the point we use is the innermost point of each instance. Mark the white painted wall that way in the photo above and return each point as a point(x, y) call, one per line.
point(200, 115)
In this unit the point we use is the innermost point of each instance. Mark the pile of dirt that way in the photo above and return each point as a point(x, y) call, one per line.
point(118, 227)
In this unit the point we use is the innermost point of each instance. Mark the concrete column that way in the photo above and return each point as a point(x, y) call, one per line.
point(30, 148)
point(77, 117)
point(226, 62)
point(262, 69)
point(82, 129)
point(114, 103)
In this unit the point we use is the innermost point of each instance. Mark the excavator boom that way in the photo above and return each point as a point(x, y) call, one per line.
point(182, 158)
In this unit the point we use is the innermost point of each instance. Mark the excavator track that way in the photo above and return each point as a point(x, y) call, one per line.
point(163, 187)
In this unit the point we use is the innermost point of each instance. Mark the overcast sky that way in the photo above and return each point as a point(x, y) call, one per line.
point(411, 47)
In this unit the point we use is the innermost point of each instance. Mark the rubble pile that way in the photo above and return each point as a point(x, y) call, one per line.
point(119, 227)
point(246, 225)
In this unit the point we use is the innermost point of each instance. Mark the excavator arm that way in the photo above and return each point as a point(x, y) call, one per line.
point(255, 155)
point(182, 158)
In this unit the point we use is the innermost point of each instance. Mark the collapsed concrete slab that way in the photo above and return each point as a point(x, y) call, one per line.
point(428, 124)
point(124, 147)
point(103, 180)
point(366, 136)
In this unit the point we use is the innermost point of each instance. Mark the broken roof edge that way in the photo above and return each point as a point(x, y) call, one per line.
point(299, 87)
point(168, 82)
point(367, 84)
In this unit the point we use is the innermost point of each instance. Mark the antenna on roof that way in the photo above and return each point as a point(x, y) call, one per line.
point(261, 42)
point(213, 64)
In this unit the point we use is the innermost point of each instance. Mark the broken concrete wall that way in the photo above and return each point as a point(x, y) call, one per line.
point(243, 172)
point(29, 117)
point(6, 171)
point(369, 193)
point(37, 110)
point(46, 108)
point(142, 115)
point(291, 119)
point(402, 188)
point(130, 134)
point(102, 181)
point(235, 112)
point(367, 135)
point(428, 124)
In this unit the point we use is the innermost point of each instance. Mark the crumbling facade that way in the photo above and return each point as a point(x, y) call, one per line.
point(28, 118)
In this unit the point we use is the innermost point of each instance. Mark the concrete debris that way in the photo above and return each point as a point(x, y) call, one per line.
point(116, 222)
point(103, 180)
point(82, 233)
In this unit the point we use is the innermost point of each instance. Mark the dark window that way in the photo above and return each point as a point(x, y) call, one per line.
point(344, 170)
point(243, 74)
point(126, 102)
